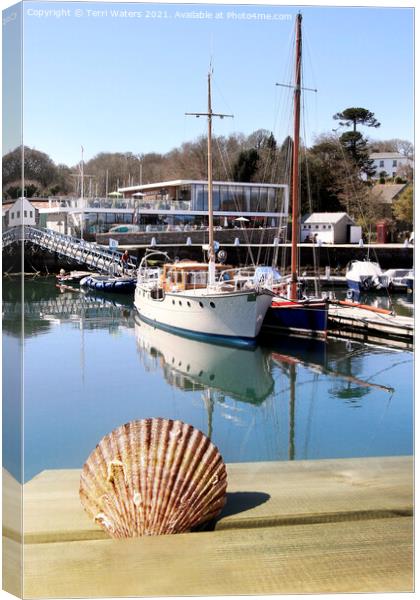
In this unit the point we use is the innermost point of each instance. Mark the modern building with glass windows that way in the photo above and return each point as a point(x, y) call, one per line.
point(185, 202)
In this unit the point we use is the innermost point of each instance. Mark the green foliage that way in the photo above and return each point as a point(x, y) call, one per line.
point(403, 208)
point(246, 165)
point(353, 141)
point(355, 145)
point(356, 116)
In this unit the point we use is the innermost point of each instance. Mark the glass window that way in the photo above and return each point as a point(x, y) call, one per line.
point(255, 199)
point(18, 214)
point(31, 213)
point(381, 163)
point(12, 215)
point(216, 197)
point(200, 198)
point(394, 163)
point(25, 213)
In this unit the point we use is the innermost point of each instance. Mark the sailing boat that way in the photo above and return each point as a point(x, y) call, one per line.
point(289, 311)
point(203, 299)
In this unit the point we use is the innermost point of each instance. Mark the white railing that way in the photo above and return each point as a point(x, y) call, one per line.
point(81, 251)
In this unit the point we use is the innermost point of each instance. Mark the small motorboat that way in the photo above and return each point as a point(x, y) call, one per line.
point(365, 276)
point(408, 282)
point(109, 283)
point(399, 279)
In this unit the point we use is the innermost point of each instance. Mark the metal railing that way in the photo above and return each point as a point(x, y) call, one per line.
point(82, 252)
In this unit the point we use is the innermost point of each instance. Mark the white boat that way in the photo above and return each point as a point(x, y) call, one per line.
point(365, 276)
point(203, 299)
point(179, 298)
point(399, 279)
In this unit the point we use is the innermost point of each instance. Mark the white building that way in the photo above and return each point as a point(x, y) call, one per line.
point(389, 163)
point(185, 202)
point(330, 228)
point(22, 212)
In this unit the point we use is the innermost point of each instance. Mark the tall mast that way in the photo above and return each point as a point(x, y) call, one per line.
point(295, 164)
point(212, 258)
point(82, 194)
point(210, 114)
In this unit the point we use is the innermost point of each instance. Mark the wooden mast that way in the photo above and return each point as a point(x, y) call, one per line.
point(212, 257)
point(295, 165)
point(210, 114)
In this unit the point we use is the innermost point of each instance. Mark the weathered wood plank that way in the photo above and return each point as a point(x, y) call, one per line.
point(12, 504)
point(259, 494)
point(12, 566)
point(358, 556)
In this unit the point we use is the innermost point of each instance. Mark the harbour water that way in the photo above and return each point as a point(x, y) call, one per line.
point(90, 364)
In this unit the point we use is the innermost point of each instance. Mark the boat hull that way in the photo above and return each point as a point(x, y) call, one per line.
point(224, 317)
point(307, 318)
point(120, 286)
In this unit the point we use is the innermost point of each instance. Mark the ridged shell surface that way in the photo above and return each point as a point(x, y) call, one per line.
point(153, 477)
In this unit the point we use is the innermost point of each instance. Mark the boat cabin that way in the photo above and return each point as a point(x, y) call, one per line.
point(190, 275)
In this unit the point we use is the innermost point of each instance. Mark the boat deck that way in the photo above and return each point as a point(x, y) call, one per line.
point(319, 526)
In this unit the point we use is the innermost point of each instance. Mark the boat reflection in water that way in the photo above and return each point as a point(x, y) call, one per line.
point(188, 364)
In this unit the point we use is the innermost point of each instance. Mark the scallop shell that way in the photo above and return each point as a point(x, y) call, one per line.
point(153, 477)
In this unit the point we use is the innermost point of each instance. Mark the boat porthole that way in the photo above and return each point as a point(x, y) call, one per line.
point(188, 368)
point(173, 301)
point(211, 377)
point(180, 303)
point(200, 373)
point(212, 304)
point(188, 303)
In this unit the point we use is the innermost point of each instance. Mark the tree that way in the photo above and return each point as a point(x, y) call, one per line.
point(246, 165)
point(356, 116)
point(403, 208)
point(38, 169)
point(355, 145)
point(353, 141)
point(403, 147)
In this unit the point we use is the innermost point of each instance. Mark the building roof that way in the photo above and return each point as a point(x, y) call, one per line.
point(329, 217)
point(388, 192)
point(383, 155)
point(179, 182)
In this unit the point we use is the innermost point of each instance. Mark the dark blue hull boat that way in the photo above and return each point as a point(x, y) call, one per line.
point(302, 317)
point(105, 283)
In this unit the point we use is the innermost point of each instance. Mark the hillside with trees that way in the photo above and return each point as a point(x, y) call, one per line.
point(335, 171)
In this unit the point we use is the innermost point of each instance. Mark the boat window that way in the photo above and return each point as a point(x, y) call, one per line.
point(180, 303)
point(212, 304)
point(173, 301)
point(201, 304)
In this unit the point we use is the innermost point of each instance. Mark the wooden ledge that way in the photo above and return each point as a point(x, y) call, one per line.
point(319, 526)
point(259, 495)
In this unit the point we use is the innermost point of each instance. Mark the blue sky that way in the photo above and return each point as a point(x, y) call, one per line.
point(124, 83)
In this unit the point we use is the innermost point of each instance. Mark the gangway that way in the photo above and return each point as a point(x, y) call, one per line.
point(98, 258)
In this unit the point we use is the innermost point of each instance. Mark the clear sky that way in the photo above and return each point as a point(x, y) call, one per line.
point(123, 83)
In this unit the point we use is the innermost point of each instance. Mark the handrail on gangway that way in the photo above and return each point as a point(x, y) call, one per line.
point(88, 253)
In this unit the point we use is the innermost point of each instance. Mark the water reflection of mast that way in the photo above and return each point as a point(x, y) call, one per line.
point(292, 374)
point(208, 399)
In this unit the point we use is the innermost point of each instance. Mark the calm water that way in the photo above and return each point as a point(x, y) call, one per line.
point(90, 365)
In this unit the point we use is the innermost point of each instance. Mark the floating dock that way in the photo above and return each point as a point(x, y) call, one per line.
point(351, 322)
point(322, 526)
